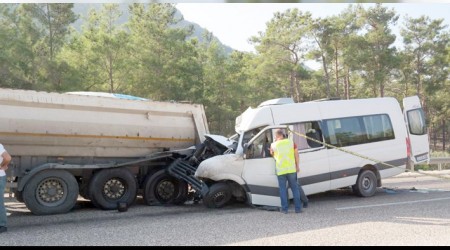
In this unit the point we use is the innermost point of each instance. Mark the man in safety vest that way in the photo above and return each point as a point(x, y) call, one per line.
point(286, 158)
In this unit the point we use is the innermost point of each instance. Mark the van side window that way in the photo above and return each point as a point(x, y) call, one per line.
point(378, 128)
point(349, 131)
point(345, 131)
point(310, 129)
point(416, 120)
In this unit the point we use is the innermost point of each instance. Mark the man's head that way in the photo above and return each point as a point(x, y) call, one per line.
point(279, 134)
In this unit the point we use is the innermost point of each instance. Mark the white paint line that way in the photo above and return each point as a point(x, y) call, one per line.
point(389, 204)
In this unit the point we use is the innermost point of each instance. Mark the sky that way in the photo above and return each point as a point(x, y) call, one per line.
point(234, 23)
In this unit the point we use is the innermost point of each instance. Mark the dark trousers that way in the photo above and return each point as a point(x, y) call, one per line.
point(2, 201)
point(303, 197)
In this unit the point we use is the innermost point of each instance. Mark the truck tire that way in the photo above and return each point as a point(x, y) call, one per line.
point(162, 188)
point(218, 196)
point(366, 184)
point(51, 192)
point(18, 195)
point(109, 187)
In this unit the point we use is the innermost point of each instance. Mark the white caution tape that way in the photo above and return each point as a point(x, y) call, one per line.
point(363, 156)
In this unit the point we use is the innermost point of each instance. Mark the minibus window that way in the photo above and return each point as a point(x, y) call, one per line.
point(310, 129)
point(358, 130)
point(416, 120)
point(378, 128)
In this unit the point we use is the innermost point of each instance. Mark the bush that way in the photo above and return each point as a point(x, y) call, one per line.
point(424, 167)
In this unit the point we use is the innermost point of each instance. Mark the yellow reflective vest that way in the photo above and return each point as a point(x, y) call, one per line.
point(283, 152)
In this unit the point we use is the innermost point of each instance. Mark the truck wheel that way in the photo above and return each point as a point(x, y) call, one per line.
point(163, 188)
point(366, 184)
point(218, 196)
point(109, 187)
point(51, 192)
point(18, 195)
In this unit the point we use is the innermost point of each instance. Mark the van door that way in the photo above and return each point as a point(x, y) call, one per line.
point(259, 166)
point(314, 166)
point(259, 170)
point(417, 141)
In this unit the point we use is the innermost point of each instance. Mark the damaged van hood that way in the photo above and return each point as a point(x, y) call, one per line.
point(221, 140)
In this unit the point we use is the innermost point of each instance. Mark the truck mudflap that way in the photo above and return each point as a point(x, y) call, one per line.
point(181, 169)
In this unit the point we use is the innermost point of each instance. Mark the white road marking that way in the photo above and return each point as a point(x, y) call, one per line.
point(394, 203)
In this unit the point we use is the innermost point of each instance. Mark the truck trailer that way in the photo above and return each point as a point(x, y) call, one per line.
point(106, 149)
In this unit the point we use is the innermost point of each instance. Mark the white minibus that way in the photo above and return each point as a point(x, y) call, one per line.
point(341, 143)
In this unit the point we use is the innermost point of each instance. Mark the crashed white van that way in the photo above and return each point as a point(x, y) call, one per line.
point(378, 139)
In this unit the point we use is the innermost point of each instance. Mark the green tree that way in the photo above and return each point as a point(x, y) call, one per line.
point(164, 65)
point(380, 54)
point(14, 56)
point(51, 21)
point(322, 31)
point(426, 48)
point(283, 47)
point(333, 36)
point(427, 61)
point(223, 84)
point(100, 51)
point(347, 24)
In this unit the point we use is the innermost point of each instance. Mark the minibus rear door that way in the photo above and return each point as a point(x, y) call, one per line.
point(418, 143)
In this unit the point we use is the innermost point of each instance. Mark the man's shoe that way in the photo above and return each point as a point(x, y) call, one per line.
point(298, 211)
point(283, 211)
point(3, 229)
point(305, 204)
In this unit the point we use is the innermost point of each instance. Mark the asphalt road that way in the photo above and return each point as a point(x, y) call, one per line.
point(409, 209)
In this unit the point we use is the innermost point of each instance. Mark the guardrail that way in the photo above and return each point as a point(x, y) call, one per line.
point(439, 161)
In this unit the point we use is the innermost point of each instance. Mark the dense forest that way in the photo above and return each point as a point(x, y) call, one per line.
point(149, 56)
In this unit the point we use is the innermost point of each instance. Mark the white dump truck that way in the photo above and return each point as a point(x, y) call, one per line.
point(106, 149)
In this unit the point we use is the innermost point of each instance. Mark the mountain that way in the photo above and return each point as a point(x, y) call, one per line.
point(82, 10)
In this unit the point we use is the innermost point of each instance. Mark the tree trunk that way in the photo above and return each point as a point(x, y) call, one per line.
point(434, 137)
point(381, 89)
point(406, 85)
point(327, 75)
point(336, 72)
point(347, 84)
point(110, 73)
point(297, 89)
point(443, 135)
point(293, 89)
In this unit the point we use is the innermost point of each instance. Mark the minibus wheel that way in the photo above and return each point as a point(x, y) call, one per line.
point(218, 196)
point(366, 184)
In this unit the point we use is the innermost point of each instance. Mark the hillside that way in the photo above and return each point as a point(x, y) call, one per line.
point(82, 10)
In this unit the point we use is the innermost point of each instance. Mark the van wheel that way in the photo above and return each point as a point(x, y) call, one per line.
point(366, 184)
point(162, 188)
point(51, 192)
point(109, 187)
point(218, 196)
